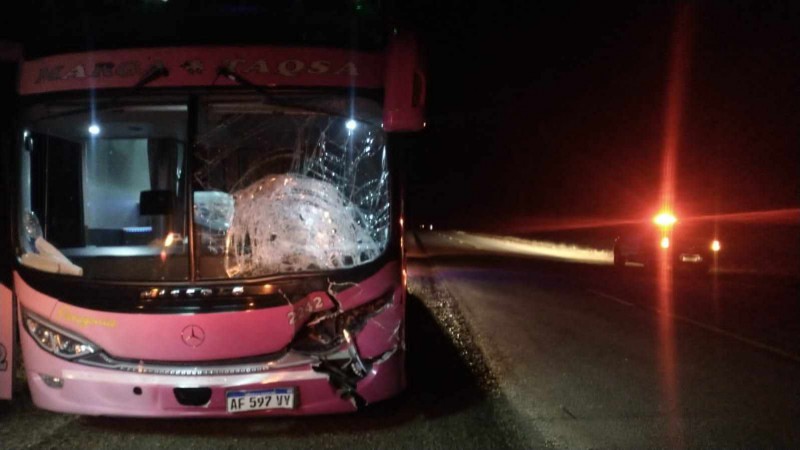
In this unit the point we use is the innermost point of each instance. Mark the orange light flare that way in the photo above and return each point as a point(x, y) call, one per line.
point(169, 240)
point(789, 216)
point(665, 219)
point(666, 350)
point(673, 115)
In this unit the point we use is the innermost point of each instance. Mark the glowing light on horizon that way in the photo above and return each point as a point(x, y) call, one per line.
point(787, 216)
point(664, 242)
point(665, 219)
point(716, 246)
point(94, 129)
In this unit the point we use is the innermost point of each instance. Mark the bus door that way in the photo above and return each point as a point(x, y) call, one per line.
point(9, 59)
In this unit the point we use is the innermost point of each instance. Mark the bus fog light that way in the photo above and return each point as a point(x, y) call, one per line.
point(53, 382)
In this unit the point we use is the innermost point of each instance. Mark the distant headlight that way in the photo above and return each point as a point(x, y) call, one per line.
point(665, 242)
point(56, 341)
point(716, 246)
point(665, 219)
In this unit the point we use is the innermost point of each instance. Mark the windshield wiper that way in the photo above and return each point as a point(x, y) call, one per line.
point(156, 72)
point(270, 99)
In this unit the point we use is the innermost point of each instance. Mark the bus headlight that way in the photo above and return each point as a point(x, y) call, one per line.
point(55, 340)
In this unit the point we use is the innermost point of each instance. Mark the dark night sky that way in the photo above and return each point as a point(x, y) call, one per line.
point(552, 109)
point(543, 110)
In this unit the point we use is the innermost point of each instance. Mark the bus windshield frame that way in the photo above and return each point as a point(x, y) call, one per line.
point(197, 141)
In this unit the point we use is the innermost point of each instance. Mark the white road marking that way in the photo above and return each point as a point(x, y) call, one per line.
point(610, 297)
point(734, 336)
point(707, 327)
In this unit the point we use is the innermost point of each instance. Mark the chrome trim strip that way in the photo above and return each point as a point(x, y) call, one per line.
point(104, 361)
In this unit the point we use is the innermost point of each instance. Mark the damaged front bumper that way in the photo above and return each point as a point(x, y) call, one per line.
point(331, 352)
point(341, 381)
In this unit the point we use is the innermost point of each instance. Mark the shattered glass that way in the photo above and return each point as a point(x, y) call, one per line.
point(293, 191)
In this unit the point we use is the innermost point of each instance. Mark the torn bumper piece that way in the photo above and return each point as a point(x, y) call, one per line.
point(345, 374)
point(336, 339)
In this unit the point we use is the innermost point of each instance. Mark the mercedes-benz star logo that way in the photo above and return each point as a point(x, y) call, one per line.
point(193, 336)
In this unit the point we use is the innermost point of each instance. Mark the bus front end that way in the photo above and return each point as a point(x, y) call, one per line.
point(213, 231)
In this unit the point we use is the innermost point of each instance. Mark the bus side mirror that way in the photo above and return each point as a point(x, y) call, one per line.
point(404, 84)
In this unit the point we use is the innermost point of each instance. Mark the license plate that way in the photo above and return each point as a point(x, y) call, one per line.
point(691, 258)
point(278, 398)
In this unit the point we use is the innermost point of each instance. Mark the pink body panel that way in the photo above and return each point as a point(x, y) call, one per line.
point(371, 288)
point(385, 330)
point(6, 342)
point(157, 337)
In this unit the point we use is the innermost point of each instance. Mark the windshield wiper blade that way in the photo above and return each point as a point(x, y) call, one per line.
point(156, 71)
point(270, 99)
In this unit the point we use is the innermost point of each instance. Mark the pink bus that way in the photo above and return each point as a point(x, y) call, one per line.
point(211, 231)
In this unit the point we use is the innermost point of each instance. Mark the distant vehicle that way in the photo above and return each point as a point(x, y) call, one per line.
point(681, 245)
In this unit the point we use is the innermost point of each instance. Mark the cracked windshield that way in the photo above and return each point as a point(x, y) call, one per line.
point(282, 189)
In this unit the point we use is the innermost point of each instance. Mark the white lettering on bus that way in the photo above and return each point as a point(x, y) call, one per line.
point(319, 66)
point(76, 72)
point(291, 67)
point(106, 69)
point(350, 68)
point(259, 66)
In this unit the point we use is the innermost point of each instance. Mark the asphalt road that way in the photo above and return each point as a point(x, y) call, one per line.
point(530, 346)
point(591, 357)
